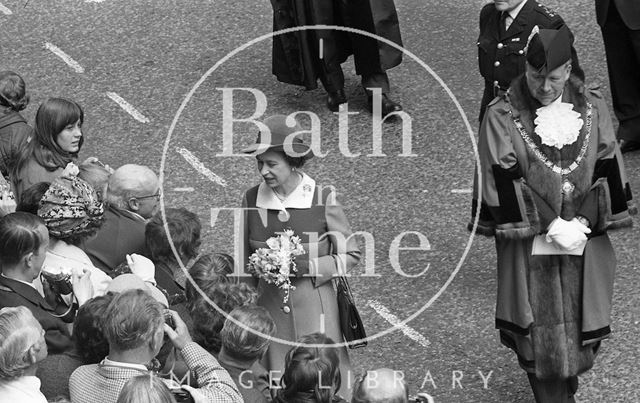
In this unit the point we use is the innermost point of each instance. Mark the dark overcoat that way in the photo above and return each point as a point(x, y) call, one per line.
point(296, 55)
point(552, 309)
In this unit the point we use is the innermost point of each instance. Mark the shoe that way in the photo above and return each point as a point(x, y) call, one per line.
point(335, 99)
point(387, 105)
point(627, 146)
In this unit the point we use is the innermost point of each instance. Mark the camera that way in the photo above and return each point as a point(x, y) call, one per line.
point(181, 395)
point(168, 319)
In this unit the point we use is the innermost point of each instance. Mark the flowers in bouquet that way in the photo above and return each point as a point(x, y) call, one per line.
point(275, 263)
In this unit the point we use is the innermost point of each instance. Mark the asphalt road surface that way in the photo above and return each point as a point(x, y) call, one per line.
point(148, 56)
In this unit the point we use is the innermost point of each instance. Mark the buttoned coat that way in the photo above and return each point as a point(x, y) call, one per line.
point(501, 56)
point(312, 306)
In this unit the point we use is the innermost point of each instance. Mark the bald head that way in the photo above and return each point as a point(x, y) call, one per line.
point(381, 385)
point(134, 188)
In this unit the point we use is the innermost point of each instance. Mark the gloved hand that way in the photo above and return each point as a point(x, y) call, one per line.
point(567, 235)
point(142, 267)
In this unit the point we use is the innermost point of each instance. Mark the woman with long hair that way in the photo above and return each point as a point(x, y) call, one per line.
point(57, 141)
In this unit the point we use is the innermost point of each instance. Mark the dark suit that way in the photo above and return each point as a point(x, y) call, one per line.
point(122, 233)
point(14, 293)
point(620, 24)
point(501, 55)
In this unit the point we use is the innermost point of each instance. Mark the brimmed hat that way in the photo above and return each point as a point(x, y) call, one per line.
point(70, 207)
point(549, 47)
point(275, 137)
point(129, 281)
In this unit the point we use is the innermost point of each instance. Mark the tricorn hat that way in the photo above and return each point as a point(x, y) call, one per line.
point(275, 137)
point(549, 47)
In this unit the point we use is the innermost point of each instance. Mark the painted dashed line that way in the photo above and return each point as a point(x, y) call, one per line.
point(128, 107)
point(183, 189)
point(462, 191)
point(5, 10)
point(199, 166)
point(397, 323)
point(65, 57)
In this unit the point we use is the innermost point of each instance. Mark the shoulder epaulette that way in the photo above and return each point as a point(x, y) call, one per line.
point(542, 9)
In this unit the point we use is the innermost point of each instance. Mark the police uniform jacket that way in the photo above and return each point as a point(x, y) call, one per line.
point(501, 55)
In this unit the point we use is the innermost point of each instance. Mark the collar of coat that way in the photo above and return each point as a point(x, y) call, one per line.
point(25, 291)
point(300, 198)
point(521, 99)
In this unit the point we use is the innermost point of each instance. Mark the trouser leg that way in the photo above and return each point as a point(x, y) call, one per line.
point(366, 52)
point(325, 46)
point(622, 47)
point(552, 390)
point(376, 80)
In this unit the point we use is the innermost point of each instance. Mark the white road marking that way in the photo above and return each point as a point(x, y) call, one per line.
point(5, 10)
point(397, 323)
point(183, 189)
point(463, 191)
point(321, 46)
point(128, 107)
point(199, 166)
point(65, 57)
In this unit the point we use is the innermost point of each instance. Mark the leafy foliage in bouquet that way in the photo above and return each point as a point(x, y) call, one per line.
point(275, 263)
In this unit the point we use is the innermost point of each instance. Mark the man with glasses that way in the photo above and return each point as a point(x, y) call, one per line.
point(133, 196)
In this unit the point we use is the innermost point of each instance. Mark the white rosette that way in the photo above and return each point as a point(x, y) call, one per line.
point(558, 125)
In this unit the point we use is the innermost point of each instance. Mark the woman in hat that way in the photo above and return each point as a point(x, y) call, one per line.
point(289, 199)
point(552, 185)
point(72, 213)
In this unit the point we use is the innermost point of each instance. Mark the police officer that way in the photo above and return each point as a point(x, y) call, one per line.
point(505, 26)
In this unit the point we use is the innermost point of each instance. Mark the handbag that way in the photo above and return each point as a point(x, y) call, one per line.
point(350, 321)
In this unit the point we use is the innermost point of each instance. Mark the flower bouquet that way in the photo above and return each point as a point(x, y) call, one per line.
point(275, 263)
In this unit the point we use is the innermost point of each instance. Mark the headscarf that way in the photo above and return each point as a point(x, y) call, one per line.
point(70, 207)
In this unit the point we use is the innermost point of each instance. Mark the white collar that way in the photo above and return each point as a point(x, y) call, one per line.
point(301, 197)
point(112, 363)
point(514, 13)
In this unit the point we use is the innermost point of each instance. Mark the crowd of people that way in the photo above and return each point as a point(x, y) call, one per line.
point(105, 299)
point(96, 305)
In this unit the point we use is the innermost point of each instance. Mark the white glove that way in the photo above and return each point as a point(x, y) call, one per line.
point(142, 267)
point(567, 235)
